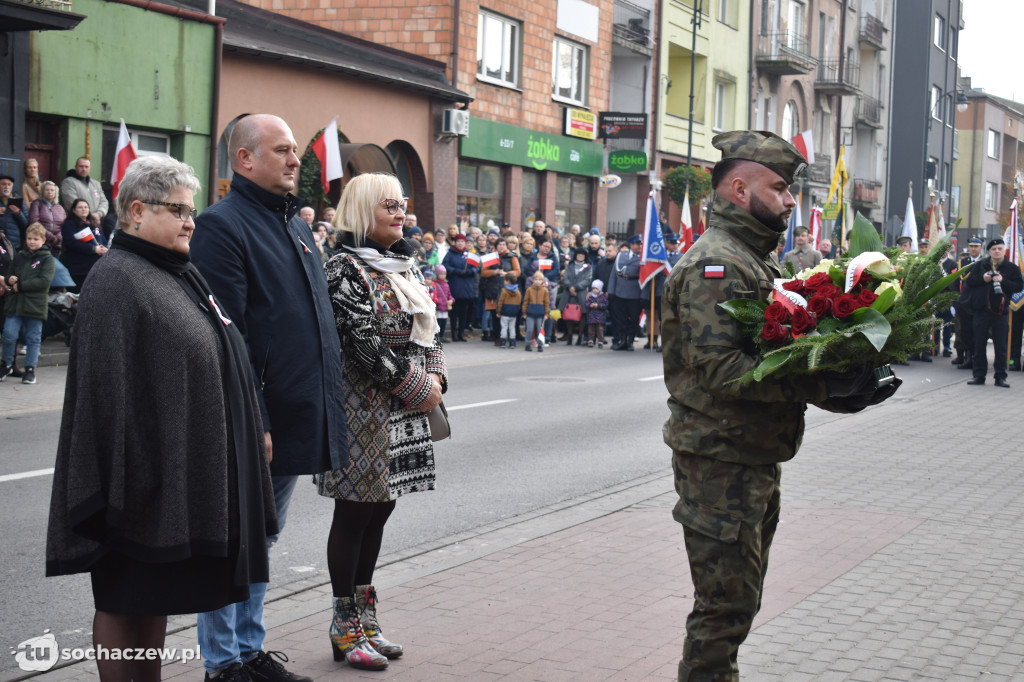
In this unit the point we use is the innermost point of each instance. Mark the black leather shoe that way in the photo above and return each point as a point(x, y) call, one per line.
point(1001, 383)
point(977, 381)
point(967, 365)
point(924, 357)
point(946, 353)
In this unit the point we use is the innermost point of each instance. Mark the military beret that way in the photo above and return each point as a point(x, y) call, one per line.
point(976, 240)
point(763, 147)
point(995, 242)
point(636, 239)
point(671, 237)
point(904, 240)
point(800, 230)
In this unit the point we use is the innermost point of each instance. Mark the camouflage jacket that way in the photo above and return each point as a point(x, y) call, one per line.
point(704, 349)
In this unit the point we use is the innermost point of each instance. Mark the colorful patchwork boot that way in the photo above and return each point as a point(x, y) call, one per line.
point(366, 602)
point(347, 638)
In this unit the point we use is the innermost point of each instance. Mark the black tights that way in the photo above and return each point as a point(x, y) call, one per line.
point(125, 631)
point(353, 544)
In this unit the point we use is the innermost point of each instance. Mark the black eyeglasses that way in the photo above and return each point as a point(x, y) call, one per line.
point(182, 211)
point(393, 205)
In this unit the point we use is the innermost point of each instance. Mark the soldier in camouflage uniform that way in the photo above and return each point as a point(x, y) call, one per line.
point(728, 439)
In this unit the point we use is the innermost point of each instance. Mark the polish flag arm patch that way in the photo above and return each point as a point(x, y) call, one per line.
point(714, 272)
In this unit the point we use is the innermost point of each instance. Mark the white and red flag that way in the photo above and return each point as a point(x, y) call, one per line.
point(327, 151)
point(804, 143)
point(123, 155)
point(815, 226)
point(490, 259)
point(686, 224)
point(472, 259)
point(545, 263)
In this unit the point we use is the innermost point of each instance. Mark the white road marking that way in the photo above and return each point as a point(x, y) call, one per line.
point(484, 404)
point(654, 378)
point(25, 474)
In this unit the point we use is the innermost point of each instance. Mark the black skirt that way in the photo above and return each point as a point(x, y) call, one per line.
point(124, 585)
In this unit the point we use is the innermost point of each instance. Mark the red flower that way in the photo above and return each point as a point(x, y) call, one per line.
point(776, 312)
point(819, 306)
point(773, 332)
point(844, 306)
point(829, 291)
point(866, 298)
point(794, 285)
point(818, 280)
point(803, 322)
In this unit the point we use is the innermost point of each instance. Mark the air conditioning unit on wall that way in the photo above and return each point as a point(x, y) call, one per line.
point(456, 122)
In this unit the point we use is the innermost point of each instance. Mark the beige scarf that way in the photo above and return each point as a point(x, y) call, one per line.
point(412, 295)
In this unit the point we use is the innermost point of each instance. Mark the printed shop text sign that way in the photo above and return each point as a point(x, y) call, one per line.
point(579, 123)
point(627, 161)
point(504, 143)
point(617, 124)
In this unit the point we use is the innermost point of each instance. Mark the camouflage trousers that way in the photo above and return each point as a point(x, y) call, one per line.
point(729, 514)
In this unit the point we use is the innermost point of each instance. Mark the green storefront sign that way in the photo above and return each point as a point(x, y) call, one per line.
point(627, 161)
point(503, 143)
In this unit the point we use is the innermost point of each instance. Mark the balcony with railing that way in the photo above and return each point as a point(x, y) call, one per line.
point(835, 78)
point(783, 54)
point(866, 192)
point(869, 112)
point(821, 170)
point(631, 27)
point(39, 15)
point(872, 32)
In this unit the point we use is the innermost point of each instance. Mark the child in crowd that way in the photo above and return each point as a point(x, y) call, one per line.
point(509, 302)
point(596, 306)
point(442, 299)
point(536, 307)
point(25, 302)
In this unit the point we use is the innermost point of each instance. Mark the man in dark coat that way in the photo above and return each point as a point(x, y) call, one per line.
point(262, 264)
point(990, 283)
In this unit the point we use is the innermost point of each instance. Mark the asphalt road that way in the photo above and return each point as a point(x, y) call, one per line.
point(529, 430)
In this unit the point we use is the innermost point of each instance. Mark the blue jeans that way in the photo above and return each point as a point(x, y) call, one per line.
point(33, 330)
point(235, 633)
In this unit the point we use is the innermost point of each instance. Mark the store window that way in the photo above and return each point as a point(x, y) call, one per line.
point(497, 50)
point(572, 202)
point(531, 198)
point(481, 194)
point(570, 72)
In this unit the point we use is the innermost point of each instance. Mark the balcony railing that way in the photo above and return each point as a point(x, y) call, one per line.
point(821, 169)
point(869, 111)
point(866, 191)
point(631, 26)
point(872, 31)
point(784, 54)
point(835, 80)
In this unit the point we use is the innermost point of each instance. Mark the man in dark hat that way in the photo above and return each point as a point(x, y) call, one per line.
point(729, 439)
point(964, 317)
point(804, 255)
point(990, 283)
point(627, 290)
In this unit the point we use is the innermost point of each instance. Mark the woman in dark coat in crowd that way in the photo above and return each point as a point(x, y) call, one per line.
point(83, 243)
point(161, 489)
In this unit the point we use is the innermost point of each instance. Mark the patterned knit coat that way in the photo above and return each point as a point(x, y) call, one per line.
point(390, 451)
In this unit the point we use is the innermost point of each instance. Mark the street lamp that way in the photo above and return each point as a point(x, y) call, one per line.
point(961, 101)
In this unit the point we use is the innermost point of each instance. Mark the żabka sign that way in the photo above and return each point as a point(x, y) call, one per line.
point(627, 161)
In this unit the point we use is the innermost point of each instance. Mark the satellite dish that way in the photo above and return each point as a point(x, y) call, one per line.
point(610, 181)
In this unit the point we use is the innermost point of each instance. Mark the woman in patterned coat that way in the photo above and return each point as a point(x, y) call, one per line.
point(394, 370)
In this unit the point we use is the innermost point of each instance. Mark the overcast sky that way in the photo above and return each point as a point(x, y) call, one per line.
point(990, 46)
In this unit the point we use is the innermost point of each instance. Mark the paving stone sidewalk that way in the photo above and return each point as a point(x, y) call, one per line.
point(899, 557)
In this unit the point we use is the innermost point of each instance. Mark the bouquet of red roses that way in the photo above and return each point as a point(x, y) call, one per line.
point(872, 308)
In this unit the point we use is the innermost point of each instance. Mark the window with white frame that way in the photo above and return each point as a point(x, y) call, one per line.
point(993, 144)
point(720, 102)
point(940, 32)
point(790, 121)
point(569, 72)
point(990, 196)
point(497, 49)
point(936, 105)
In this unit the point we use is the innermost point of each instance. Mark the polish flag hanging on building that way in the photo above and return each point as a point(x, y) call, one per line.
point(327, 151)
point(490, 259)
point(123, 156)
point(804, 143)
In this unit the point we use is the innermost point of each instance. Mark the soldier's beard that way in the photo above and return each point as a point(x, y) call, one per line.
point(775, 223)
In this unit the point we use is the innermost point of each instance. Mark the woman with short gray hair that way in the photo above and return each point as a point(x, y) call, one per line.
point(161, 489)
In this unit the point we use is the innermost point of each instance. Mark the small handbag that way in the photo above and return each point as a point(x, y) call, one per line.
point(437, 419)
point(572, 312)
